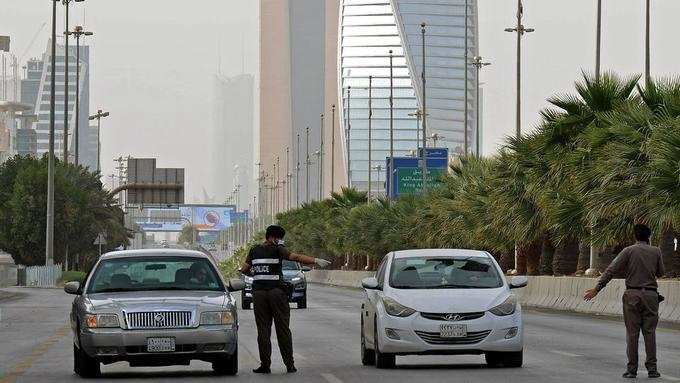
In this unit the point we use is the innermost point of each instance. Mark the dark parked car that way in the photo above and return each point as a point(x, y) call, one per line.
point(293, 277)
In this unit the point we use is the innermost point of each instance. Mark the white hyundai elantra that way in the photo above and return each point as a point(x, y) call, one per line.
point(441, 302)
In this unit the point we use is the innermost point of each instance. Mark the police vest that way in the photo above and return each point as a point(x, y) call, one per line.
point(266, 267)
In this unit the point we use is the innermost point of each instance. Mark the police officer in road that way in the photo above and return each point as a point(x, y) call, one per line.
point(641, 264)
point(270, 296)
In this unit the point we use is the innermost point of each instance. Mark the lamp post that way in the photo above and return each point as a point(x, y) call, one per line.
point(287, 181)
point(322, 132)
point(349, 141)
point(100, 114)
point(598, 42)
point(370, 120)
point(319, 155)
point(297, 173)
point(648, 76)
point(389, 192)
point(307, 163)
point(49, 235)
point(78, 32)
point(478, 63)
point(332, 148)
point(379, 169)
point(436, 137)
point(465, 98)
point(424, 112)
point(520, 30)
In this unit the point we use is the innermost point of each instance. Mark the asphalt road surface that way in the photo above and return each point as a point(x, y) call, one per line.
point(35, 346)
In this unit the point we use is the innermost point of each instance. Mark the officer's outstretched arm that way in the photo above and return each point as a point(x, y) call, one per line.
point(306, 260)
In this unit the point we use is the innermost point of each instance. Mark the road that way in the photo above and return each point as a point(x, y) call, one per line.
point(35, 346)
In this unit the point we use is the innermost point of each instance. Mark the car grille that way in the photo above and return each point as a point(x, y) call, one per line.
point(159, 319)
point(471, 338)
point(452, 317)
point(178, 348)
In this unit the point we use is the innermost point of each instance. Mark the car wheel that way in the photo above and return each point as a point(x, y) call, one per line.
point(302, 303)
point(382, 360)
point(227, 365)
point(84, 365)
point(367, 356)
point(505, 359)
point(245, 304)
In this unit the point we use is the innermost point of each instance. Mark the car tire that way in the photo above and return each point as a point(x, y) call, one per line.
point(367, 356)
point(505, 359)
point(245, 305)
point(382, 360)
point(227, 365)
point(84, 365)
point(302, 303)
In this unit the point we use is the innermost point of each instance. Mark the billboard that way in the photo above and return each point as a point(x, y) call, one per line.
point(207, 218)
point(173, 219)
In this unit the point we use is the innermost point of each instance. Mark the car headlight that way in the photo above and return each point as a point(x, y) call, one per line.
point(396, 309)
point(101, 321)
point(296, 279)
point(248, 280)
point(506, 308)
point(217, 318)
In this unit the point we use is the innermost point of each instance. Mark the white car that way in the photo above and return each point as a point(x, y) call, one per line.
point(441, 302)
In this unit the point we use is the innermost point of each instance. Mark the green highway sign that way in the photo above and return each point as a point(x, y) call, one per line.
point(410, 180)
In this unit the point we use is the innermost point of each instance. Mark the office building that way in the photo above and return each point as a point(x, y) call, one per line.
point(369, 30)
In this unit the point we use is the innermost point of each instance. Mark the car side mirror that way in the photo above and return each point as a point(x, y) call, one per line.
point(370, 283)
point(236, 285)
point(518, 282)
point(72, 287)
point(306, 269)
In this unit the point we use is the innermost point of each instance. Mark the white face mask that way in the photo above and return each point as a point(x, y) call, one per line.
point(279, 242)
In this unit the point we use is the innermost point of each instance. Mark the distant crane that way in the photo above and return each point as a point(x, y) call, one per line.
point(30, 45)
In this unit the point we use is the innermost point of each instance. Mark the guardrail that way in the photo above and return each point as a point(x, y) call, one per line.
point(555, 293)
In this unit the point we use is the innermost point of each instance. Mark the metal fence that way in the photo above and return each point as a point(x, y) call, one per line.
point(40, 276)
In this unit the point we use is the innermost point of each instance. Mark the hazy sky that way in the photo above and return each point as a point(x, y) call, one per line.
point(153, 61)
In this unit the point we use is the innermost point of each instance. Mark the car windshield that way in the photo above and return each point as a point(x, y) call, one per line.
point(290, 265)
point(444, 273)
point(154, 273)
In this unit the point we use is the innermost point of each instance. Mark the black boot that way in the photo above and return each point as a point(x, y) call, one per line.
point(262, 370)
point(630, 375)
point(653, 374)
point(291, 369)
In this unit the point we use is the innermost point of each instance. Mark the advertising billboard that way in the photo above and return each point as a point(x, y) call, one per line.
point(208, 218)
point(203, 217)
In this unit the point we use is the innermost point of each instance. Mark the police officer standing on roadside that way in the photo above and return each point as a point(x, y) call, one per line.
point(641, 264)
point(270, 296)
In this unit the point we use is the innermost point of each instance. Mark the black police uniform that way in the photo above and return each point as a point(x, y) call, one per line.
point(270, 301)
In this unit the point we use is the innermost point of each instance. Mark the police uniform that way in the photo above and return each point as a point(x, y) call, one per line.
point(270, 301)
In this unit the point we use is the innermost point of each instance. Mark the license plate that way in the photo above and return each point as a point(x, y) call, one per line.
point(453, 330)
point(160, 344)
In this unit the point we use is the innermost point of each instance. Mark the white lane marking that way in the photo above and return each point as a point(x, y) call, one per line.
point(564, 353)
point(330, 378)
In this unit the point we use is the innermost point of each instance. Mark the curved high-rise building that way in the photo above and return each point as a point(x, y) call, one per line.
point(369, 30)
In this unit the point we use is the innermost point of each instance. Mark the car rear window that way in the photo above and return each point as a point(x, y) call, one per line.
point(154, 273)
point(444, 273)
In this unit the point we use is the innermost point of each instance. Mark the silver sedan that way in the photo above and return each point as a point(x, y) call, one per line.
point(154, 308)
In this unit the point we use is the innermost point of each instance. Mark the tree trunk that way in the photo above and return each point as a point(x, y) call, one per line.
point(531, 256)
point(521, 266)
point(583, 258)
point(667, 246)
point(566, 258)
point(506, 260)
point(547, 254)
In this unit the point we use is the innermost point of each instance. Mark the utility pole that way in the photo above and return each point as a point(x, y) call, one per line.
point(278, 184)
point(323, 132)
point(332, 148)
point(648, 76)
point(287, 190)
point(307, 163)
point(100, 114)
point(66, 75)
point(319, 154)
point(349, 141)
point(78, 32)
point(424, 114)
point(598, 43)
point(49, 235)
point(391, 169)
point(478, 63)
point(465, 68)
point(297, 173)
point(520, 30)
point(370, 120)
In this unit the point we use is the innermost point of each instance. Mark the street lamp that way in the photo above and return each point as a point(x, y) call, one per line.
point(389, 193)
point(424, 111)
point(478, 63)
point(370, 120)
point(436, 137)
point(648, 75)
point(598, 41)
point(520, 30)
point(100, 114)
point(77, 32)
point(322, 132)
point(49, 235)
point(66, 76)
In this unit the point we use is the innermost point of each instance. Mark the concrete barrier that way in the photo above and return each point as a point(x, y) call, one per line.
point(555, 293)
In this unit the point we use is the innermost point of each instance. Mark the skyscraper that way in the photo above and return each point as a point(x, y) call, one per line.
point(42, 103)
point(369, 30)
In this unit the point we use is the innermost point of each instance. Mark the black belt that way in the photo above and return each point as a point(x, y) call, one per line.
point(642, 288)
